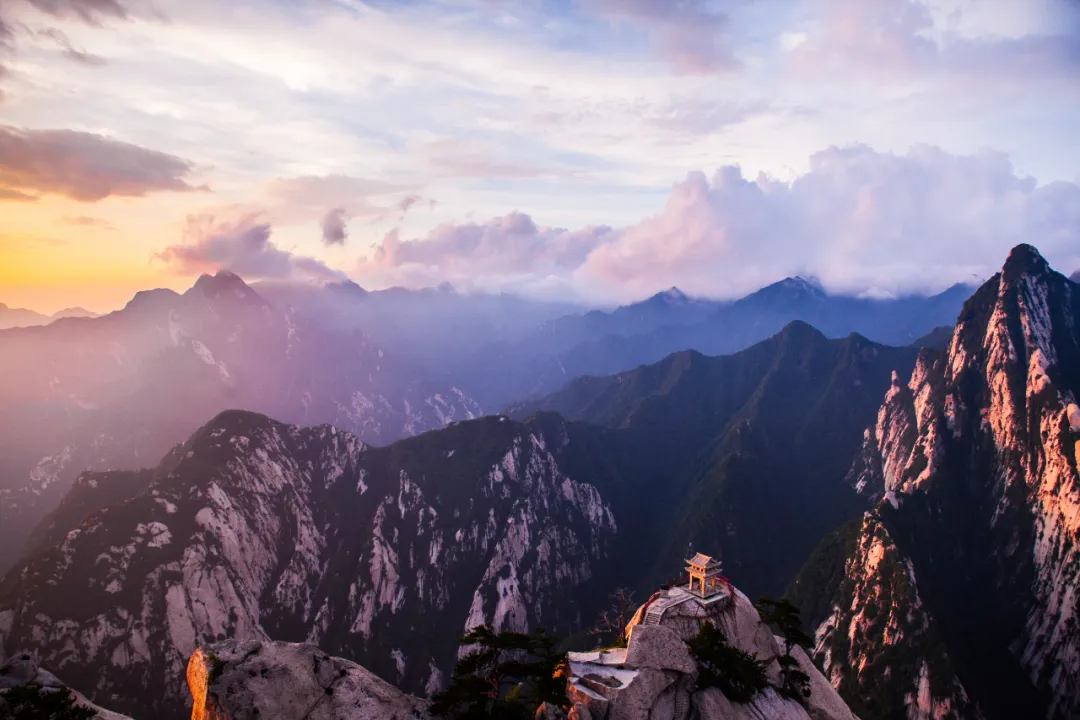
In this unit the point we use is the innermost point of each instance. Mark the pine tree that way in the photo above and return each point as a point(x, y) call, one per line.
point(33, 702)
point(505, 675)
point(737, 673)
point(784, 617)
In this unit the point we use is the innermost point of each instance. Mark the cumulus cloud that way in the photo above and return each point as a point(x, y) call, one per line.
point(241, 245)
point(860, 220)
point(690, 33)
point(84, 166)
point(333, 226)
point(498, 254)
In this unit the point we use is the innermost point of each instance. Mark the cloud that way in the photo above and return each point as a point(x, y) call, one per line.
point(496, 254)
point(242, 245)
point(89, 12)
point(87, 221)
point(16, 195)
point(84, 166)
point(305, 198)
point(901, 40)
point(76, 54)
point(689, 33)
point(861, 220)
point(464, 158)
point(333, 226)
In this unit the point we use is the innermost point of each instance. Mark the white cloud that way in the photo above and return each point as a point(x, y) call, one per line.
point(858, 219)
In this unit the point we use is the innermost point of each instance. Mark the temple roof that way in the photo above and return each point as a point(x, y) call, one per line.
point(703, 561)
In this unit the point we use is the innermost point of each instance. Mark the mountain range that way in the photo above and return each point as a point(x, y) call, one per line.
point(20, 317)
point(254, 529)
point(937, 478)
point(603, 343)
point(118, 391)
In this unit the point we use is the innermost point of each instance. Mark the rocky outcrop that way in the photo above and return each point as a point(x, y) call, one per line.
point(969, 567)
point(251, 680)
point(881, 641)
point(655, 677)
point(22, 669)
point(256, 530)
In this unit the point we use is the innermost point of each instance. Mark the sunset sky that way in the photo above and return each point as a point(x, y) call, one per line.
point(592, 149)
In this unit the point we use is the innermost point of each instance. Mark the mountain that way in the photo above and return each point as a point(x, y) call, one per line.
point(964, 580)
point(435, 326)
point(745, 454)
point(256, 530)
point(1075, 277)
point(118, 391)
point(600, 343)
point(938, 338)
point(19, 317)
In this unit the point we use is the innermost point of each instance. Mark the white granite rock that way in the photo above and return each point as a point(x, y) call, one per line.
point(655, 646)
point(254, 680)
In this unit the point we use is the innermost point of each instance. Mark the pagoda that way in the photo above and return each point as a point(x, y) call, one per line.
point(705, 576)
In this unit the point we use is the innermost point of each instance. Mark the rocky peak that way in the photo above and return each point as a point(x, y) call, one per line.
point(655, 675)
point(247, 680)
point(255, 529)
point(1024, 259)
point(974, 458)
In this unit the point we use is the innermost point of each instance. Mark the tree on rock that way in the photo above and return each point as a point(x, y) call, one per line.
point(504, 675)
point(612, 622)
point(784, 617)
point(736, 673)
point(33, 702)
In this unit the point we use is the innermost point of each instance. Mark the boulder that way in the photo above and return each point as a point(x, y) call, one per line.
point(22, 669)
point(254, 680)
point(636, 700)
point(658, 647)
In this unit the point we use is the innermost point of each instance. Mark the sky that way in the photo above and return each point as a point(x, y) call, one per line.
point(592, 150)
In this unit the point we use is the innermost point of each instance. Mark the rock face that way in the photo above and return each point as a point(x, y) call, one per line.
point(118, 391)
point(255, 530)
point(965, 579)
point(22, 669)
point(251, 680)
point(655, 676)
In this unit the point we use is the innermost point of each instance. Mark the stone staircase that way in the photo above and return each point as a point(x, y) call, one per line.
point(653, 614)
point(682, 705)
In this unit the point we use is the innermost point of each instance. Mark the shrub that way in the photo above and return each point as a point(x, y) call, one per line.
point(736, 673)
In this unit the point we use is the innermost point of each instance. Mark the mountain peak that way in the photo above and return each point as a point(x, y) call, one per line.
point(347, 287)
point(1075, 277)
point(1025, 259)
point(223, 281)
point(671, 295)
